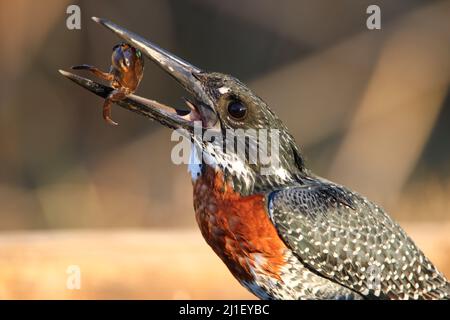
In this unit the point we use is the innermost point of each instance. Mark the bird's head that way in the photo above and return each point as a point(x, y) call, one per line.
point(238, 133)
point(232, 128)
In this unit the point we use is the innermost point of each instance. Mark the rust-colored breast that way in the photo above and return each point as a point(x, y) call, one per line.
point(237, 228)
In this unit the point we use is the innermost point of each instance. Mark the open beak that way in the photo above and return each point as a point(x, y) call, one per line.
point(201, 108)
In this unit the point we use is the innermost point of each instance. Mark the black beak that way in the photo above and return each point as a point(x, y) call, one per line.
point(189, 76)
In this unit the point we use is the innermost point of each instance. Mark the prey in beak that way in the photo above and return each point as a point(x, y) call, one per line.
point(200, 106)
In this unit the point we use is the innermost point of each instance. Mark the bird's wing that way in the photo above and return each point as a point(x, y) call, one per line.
point(346, 238)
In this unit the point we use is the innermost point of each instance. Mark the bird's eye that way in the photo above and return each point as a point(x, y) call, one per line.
point(237, 110)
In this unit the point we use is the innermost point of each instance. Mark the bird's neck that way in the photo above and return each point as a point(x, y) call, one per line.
point(241, 177)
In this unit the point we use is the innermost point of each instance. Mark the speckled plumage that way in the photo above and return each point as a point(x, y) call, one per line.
point(347, 239)
point(239, 230)
point(289, 234)
point(297, 282)
point(338, 244)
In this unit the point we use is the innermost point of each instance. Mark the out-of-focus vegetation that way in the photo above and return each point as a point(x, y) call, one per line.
point(370, 109)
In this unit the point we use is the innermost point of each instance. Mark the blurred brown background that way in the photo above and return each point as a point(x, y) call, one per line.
point(371, 110)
